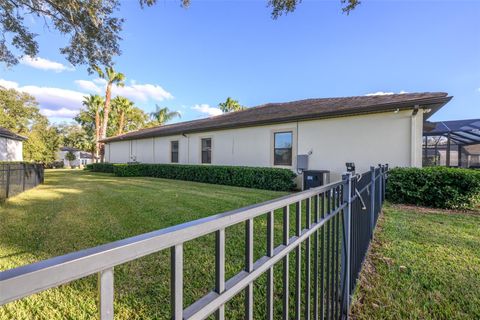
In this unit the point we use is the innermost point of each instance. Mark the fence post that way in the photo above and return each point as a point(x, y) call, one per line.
point(347, 197)
point(380, 187)
point(24, 175)
point(372, 200)
point(7, 189)
point(385, 181)
point(106, 292)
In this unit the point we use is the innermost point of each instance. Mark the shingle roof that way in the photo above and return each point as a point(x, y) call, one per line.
point(71, 149)
point(85, 155)
point(473, 149)
point(294, 111)
point(10, 135)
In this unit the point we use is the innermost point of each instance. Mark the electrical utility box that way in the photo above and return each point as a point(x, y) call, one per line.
point(302, 162)
point(315, 178)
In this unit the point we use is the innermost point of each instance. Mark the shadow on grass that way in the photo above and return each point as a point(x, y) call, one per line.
point(74, 210)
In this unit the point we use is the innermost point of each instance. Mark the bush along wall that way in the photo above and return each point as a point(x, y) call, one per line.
point(250, 177)
point(438, 187)
point(100, 167)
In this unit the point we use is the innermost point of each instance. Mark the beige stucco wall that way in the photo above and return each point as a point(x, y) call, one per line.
point(365, 140)
point(11, 150)
point(394, 138)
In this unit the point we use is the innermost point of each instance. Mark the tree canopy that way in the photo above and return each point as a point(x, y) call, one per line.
point(75, 136)
point(91, 26)
point(230, 105)
point(162, 116)
point(19, 113)
point(134, 118)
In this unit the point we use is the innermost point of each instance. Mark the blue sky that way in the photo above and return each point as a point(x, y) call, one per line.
point(191, 59)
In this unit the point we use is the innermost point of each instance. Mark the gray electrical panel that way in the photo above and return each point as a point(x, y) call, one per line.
point(302, 162)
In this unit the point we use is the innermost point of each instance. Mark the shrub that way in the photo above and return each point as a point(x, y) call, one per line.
point(250, 177)
point(100, 167)
point(54, 165)
point(438, 187)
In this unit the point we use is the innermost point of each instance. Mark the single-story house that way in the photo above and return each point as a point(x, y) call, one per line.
point(82, 158)
point(472, 159)
point(366, 130)
point(11, 146)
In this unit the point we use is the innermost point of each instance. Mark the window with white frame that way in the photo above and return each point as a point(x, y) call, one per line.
point(282, 152)
point(206, 150)
point(174, 151)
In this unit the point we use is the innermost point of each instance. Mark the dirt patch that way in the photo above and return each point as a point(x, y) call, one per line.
point(368, 274)
point(426, 210)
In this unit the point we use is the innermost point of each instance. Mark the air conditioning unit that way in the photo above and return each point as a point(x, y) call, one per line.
point(315, 178)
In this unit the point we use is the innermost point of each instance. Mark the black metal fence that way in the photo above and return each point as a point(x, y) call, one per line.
point(367, 194)
point(325, 234)
point(18, 177)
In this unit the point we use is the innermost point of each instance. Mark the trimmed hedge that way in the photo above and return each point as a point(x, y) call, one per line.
point(437, 187)
point(250, 177)
point(100, 167)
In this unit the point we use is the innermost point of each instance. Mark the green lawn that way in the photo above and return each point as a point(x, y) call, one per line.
point(423, 265)
point(76, 209)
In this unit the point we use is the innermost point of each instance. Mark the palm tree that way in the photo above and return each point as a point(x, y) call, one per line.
point(112, 78)
point(163, 115)
point(122, 106)
point(230, 105)
point(94, 104)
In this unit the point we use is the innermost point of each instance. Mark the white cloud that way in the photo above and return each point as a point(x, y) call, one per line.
point(8, 84)
point(53, 101)
point(383, 93)
point(90, 86)
point(45, 64)
point(134, 91)
point(206, 109)
point(60, 113)
point(55, 98)
point(379, 93)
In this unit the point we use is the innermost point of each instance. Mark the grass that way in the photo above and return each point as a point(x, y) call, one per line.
point(424, 264)
point(75, 209)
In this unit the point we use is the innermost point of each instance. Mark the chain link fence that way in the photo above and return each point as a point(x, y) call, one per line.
point(18, 177)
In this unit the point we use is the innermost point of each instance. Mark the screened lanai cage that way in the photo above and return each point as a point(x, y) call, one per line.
point(452, 143)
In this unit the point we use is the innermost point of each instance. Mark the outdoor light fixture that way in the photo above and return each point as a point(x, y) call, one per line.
point(427, 110)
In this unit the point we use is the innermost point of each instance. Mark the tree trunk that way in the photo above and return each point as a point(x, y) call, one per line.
point(122, 121)
point(97, 136)
point(106, 111)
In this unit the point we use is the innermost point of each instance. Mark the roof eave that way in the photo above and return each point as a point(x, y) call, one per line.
point(15, 137)
point(432, 103)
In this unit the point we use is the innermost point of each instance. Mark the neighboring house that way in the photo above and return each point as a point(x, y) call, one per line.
point(11, 146)
point(472, 156)
point(365, 130)
point(82, 158)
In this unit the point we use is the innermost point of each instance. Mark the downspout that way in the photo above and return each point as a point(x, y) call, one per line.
point(153, 147)
point(296, 148)
point(188, 148)
point(413, 135)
